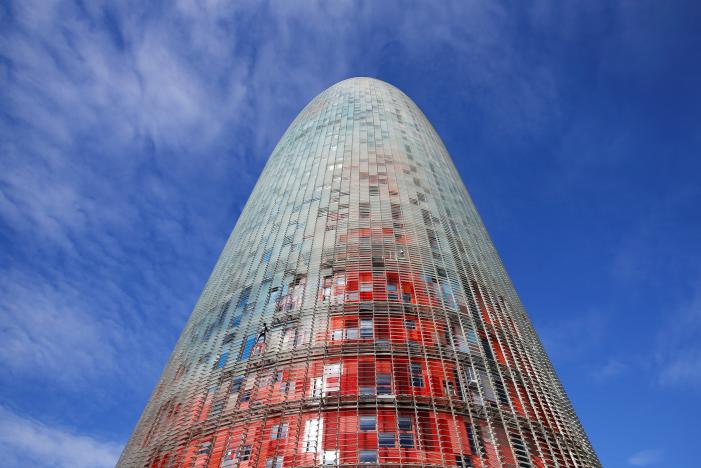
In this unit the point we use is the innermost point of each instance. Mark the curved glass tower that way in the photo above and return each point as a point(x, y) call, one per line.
point(359, 315)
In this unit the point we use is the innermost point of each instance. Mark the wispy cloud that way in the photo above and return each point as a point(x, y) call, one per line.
point(111, 123)
point(658, 261)
point(132, 133)
point(679, 344)
point(612, 368)
point(655, 247)
point(645, 457)
point(26, 442)
point(60, 334)
point(122, 133)
point(574, 336)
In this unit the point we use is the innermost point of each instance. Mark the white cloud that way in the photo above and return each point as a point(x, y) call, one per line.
point(80, 195)
point(26, 442)
point(71, 336)
point(46, 330)
point(128, 124)
point(645, 457)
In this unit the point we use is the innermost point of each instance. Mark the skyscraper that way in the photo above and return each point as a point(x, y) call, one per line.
point(359, 314)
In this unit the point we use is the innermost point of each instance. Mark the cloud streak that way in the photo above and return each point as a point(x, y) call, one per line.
point(124, 127)
point(132, 133)
point(26, 442)
point(645, 457)
point(679, 345)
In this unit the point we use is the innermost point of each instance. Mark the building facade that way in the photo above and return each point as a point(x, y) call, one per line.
point(359, 315)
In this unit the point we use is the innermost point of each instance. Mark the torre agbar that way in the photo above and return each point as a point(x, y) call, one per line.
point(359, 315)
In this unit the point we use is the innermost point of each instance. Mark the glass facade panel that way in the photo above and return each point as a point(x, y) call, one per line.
point(385, 439)
point(359, 313)
point(368, 423)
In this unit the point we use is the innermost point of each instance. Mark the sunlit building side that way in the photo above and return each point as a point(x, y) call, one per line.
point(359, 315)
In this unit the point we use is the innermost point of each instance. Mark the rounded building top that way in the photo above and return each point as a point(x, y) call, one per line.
point(360, 80)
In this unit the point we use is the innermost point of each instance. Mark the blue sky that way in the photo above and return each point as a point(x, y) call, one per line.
point(131, 134)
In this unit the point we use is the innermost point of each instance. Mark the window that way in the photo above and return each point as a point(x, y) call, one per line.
point(404, 423)
point(409, 325)
point(316, 384)
point(366, 329)
point(368, 456)
point(326, 287)
point(391, 291)
point(470, 375)
point(330, 457)
point(204, 448)
point(244, 453)
point(229, 338)
point(473, 436)
point(247, 347)
point(384, 384)
point(275, 462)
point(406, 440)
point(222, 360)
point(266, 255)
point(385, 439)
point(217, 407)
point(245, 396)
point(236, 384)
point(332, 379)
point(448, 296)
point(243, 298)
point(417, 378)
point(278, 431)
point(287, 387)
point(406, 436)
point(463, 461)
point(368, 423)
point(313, 433)
point(364, 210)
